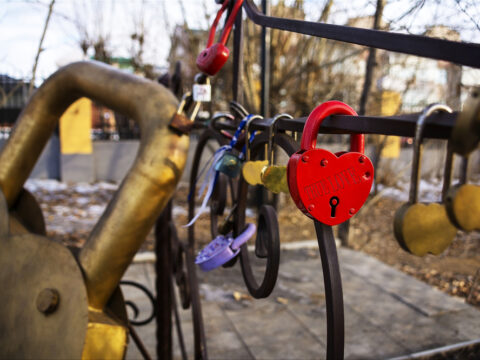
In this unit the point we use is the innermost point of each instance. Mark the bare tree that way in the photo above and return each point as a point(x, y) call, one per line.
point(40, 47)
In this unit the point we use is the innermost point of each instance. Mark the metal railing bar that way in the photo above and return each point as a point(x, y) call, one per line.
point(462, 53)
point(439, 125)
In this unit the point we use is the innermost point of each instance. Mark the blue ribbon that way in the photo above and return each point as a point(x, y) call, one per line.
point(212, 175)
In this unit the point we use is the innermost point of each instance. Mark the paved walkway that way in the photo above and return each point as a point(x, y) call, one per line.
point(387, 313)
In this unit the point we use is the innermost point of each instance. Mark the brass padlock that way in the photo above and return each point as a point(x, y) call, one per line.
point(274, 177)
point(180, 123)
point(466, 131)
point(463, 202)
point(252, 170)
point(422, 228)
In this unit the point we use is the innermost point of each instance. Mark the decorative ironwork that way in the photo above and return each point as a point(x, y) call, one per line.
point(134, 307)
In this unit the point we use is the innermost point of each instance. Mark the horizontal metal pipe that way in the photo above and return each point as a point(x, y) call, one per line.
point(439, 126)
point(462, 53)
point(145, 190)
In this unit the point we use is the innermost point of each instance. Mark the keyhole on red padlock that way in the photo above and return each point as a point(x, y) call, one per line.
point(334, 200)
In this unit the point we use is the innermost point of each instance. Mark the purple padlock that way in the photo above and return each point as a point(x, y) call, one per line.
point(222, 249)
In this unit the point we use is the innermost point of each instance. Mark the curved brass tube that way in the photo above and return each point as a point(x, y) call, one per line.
point(146, 188)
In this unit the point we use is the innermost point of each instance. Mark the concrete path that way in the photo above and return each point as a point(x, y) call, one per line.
point(387, 313)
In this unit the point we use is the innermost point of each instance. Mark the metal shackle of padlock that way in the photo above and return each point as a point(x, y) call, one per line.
point(218, 116)
point(274, 177)
point(466, 131)
point(422, 228)
point(463, 202)
point(327, 187)
point(212, 59)
point(231, 161)
point(180, 123)
point(251, 170)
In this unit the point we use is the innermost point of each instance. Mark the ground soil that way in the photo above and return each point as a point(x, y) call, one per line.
point(455, 272)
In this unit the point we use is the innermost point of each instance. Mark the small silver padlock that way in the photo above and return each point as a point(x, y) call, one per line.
point(202, 92)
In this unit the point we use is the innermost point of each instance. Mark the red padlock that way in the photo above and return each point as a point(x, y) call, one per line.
point(212, 59)
point(329, 187)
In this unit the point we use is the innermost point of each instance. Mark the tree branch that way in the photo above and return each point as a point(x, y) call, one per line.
point(40, 49)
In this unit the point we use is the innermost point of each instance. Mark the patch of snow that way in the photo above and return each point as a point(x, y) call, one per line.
point(213, 293)
point(49, 185)
point(82, 200)
point(86, 188)
point(252, 213)
point(107, 186)
point(96, 209)
point(178, 210)
point(428, 191)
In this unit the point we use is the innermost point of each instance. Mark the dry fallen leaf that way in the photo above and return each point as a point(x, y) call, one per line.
point(282, 300)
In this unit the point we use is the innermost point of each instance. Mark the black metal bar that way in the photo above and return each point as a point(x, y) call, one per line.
point(238, 60)
point(265, 64)
point(461, 53)
point(141, 347)
point(439, 125)
point(333, 291)
point(163, 268)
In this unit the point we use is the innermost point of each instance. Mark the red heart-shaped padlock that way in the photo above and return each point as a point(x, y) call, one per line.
point(212, 59)
point(327, 187)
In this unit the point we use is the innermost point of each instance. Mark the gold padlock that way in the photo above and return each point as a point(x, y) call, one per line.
point(418, 227)
point(274, 177)
point(252, 170)
point(463, 202)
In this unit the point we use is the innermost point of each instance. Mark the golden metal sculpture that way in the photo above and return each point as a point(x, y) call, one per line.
point(57, 305)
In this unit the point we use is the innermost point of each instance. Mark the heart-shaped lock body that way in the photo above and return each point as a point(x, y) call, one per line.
point(463, 202)
point(212, 59)
point(251, 170)
point(424, 228)
point(274, 177)
point(327, 187)
point(463, 206)
point(421, 229)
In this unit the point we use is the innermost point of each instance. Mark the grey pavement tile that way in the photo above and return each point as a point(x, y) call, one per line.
point(387, 313)
point(425, 298)
point(422, 333)
point(223, 341)
point(271, 332)
point(465, 323)
point(363, 340)
point(408, 327)
point(144, 273)
point(148, 338)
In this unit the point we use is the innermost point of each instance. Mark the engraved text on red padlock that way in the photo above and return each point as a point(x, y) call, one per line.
point(327, 187)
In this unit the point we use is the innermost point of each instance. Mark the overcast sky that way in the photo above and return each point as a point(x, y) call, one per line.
point(21, 24)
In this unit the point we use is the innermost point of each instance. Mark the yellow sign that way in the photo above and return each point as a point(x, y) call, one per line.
point(75, 128)
point(391, 102)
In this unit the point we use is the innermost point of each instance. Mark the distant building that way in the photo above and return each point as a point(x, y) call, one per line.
point(13, 97)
